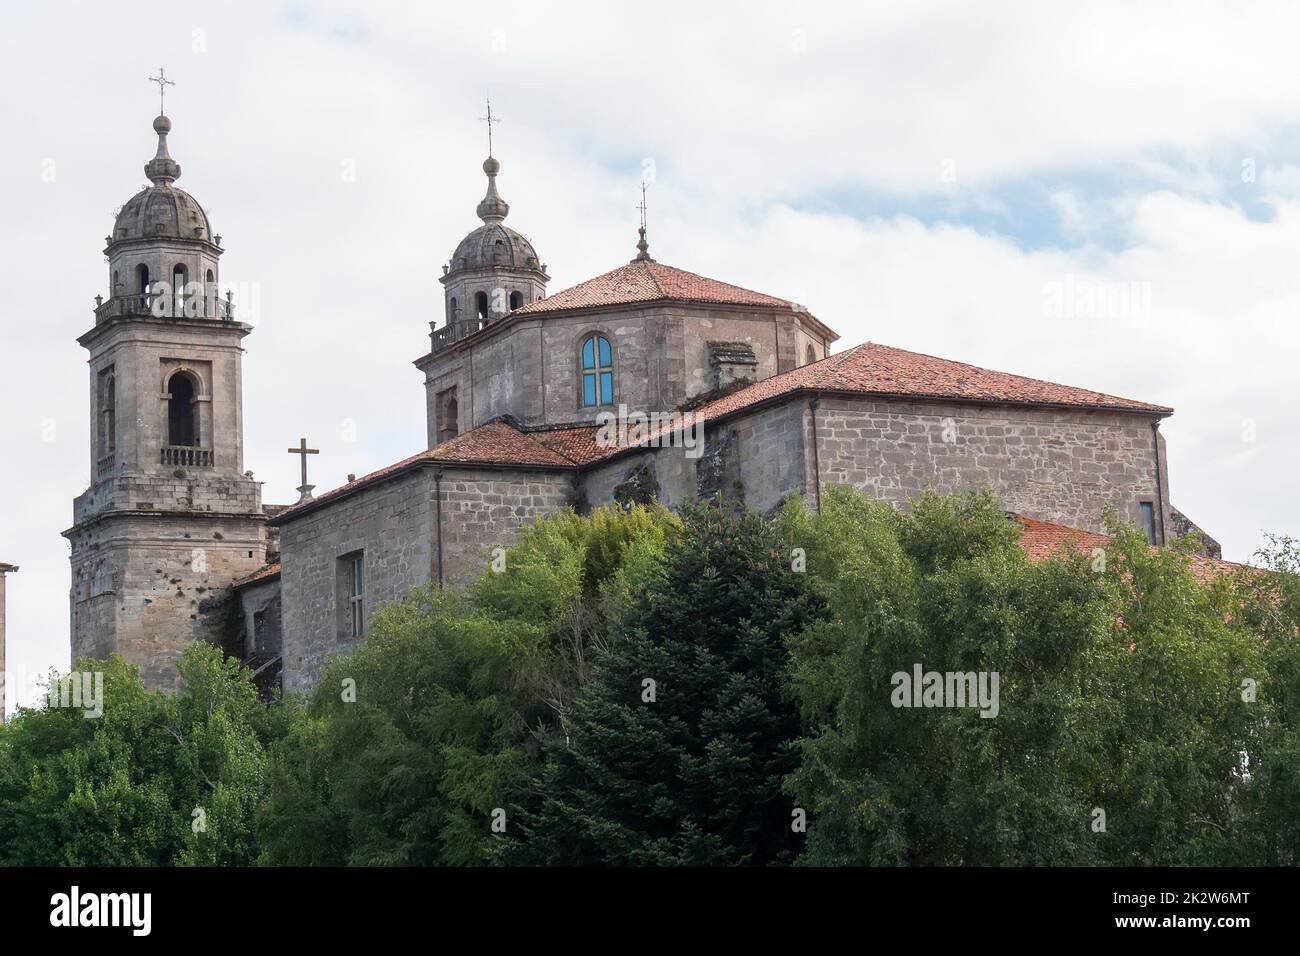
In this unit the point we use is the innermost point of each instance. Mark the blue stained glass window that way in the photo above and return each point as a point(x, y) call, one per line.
point(597, 371)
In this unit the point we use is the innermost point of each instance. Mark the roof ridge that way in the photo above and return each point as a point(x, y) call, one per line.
point(697, 275)
point(654, 279)
point(1024, 378)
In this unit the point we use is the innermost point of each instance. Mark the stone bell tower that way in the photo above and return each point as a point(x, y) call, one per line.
point(169, 519)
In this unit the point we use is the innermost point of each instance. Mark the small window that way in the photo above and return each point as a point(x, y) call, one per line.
point(1147, 510)
point(516, 300)
point(358, 599)
point(142, 279)
point(597, 372)
point(107, 412)
point(180, 278)
point(352, 596)
point(453, 311)
point(811, 356)
point(482, 301)
point(448, 415)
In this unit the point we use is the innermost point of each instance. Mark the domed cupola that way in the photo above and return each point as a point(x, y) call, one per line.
point(493, 271)
point(162, 242)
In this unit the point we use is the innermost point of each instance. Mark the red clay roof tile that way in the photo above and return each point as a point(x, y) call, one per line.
point(645, 281)
point(262, 574)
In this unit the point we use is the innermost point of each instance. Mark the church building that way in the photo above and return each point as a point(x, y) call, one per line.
point(648, 382)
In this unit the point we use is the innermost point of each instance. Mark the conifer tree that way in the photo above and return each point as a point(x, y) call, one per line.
point(684, 733)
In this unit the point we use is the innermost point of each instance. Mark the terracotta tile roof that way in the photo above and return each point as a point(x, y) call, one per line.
point(642, 281)
point(1042, 539)
point(868, 369)
point(876, 370)
point(873, 369)
point(262, 574)
point(578, 445)
point(6, 568)
point(496, 443)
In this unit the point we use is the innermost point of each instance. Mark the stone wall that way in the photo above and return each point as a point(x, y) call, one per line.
point(1060, 466)
point(529, 368)
point(391, 523)
point(483, 509)
point(146, 585)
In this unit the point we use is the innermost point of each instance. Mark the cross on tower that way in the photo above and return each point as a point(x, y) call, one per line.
point(489, 119)
point(163, 83)
point(304, 490)
point(642, 246)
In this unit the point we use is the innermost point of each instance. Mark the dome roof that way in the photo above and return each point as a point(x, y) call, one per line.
point(162, 212)
point(494, 244)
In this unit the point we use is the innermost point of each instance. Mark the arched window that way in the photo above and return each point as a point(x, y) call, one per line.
point(448, 415)
point(516, 300)
point(142, 279)
point(453, 311)
point(182, 411)
point(812, 355)
point(180, 276)
point(117, 284)
point(209, 294)
point(107, 412)
point(597, 372)
point(482, 301)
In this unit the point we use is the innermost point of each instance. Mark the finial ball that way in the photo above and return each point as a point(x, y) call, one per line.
point(162, 124)
point(491, 166)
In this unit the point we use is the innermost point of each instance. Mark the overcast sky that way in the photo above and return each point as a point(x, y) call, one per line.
point(1108, 198)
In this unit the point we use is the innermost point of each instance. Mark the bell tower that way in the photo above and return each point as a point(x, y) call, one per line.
point(169, 520)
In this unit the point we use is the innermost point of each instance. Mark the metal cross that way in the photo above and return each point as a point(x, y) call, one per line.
point(163, 83)
point(304, 489)
point(642, 207)
point(489, 119)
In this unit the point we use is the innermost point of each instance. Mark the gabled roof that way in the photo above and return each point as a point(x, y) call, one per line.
point(879, 370)
point(649, 281)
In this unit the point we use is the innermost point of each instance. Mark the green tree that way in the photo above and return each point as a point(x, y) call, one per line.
point(157, 779)
point(408, 746)
point(683, 733)
point(1118, 683)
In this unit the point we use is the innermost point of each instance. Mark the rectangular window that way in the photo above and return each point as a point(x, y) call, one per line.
point(356, 600)
point(589, 389)
point(1148, 512)
point(351, 601)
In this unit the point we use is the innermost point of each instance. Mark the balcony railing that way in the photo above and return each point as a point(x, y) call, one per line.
point(165, 305)
point(105, 466)
point(448, 335)
point(186, 456)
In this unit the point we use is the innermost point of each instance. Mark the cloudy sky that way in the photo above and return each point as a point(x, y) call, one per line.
point(1106, 197)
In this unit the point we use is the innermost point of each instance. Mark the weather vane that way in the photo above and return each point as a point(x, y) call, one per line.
point(163, 83)
point(642, 207)
point(489, 119)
